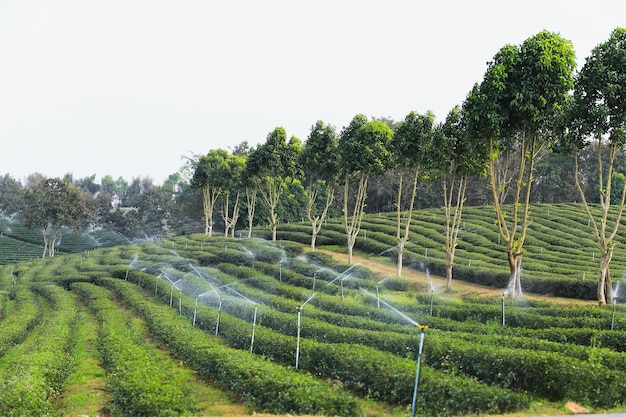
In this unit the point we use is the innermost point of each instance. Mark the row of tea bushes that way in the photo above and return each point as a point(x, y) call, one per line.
point(364, 370)
point(25, 313)
point(34, 371)
point(560, 247)
point(140, 383)
point(264, 385)
point(526, 370)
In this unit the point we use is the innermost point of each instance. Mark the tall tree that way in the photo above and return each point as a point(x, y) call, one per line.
point(364, 150)
point(320, 161)
point(232, 185)
point(409, 157)
point(210, 171)
point(597, 120)
point(272, 163)
point(52, 204)
point(523, 89)
point(455, 157)
point(11, 196)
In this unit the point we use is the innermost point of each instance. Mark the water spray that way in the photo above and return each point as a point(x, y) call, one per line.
point(299, 310)
point(503, 315)
point(419, 363)
point(615, 297)
point(432, 297)
point(341, 283)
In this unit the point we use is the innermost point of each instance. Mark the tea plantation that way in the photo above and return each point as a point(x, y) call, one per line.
point(199, 326)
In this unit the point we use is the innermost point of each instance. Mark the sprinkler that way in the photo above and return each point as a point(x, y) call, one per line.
point(613, 318)
point(341, 282)
point(171, 294)
point(156, 285)
point(377, 292)
point(299, 310)
point(180, 302)
point(417, 371)
point(256, 307)
point(219, 314)
point(195, 310)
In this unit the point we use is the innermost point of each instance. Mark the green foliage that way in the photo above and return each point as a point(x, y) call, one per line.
point(263, 384)
point(34, 371)
point(140, 383)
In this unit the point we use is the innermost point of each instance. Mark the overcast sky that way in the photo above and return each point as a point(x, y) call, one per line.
point(130, 87)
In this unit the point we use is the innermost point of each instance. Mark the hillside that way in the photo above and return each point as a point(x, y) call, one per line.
point(199, 326)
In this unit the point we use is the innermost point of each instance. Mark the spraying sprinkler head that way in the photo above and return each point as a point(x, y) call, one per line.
point(421, 326)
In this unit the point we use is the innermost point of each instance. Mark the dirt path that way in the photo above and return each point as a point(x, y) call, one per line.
point(383, 268)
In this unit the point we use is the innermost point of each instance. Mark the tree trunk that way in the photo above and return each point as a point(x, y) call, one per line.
point(514, 289)
point(399, 259)
point(454, 212)
point(402, 238)
point(45, 243)
point(605, 284)
point(353, 226)
point(449, 263)
point(251, 203)
point(317, 221)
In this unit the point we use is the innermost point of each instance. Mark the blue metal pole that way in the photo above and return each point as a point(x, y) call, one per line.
point(417, 372)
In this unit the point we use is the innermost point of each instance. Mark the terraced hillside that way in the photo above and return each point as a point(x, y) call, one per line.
point(560, 255)
point(215, 326)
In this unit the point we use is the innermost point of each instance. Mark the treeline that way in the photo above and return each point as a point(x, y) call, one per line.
point(375, 165)
point(141, 207)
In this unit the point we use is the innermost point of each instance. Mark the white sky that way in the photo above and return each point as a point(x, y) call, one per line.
point(129, 87)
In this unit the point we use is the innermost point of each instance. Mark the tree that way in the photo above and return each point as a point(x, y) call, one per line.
point(363, 150)
point(320, 161)
point(514, 107)
point(596, 119)
point(209, 176)
point(11, 196)
point(409, 155)
point(272, 163)
point(52, 204)
point(232, 184)
point(151, 213)
point(455, 157)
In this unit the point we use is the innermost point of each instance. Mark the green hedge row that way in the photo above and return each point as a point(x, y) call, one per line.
point(24, 315)
point(525, 369)
point(364, 370)
point(262, 384)
point(140, 383)
point(38, 367)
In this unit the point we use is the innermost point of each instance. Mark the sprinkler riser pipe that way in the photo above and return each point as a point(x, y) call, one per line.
point(298, 340)
point(417, 372)
point(219, 314)
point(253, 328)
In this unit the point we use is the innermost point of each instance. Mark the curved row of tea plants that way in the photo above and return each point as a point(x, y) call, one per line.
point(23, 314)
point(264, 385)
point(561, 255)
point(364, 370)
point(140, 383)
point(34, 371)
point(541, 373)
